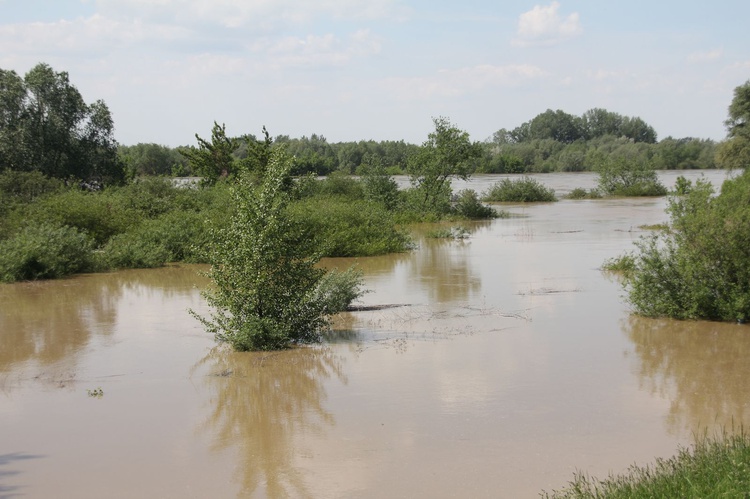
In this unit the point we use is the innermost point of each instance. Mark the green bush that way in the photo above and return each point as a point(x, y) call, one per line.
point(469, 206)
point(130, 251)
point(342, 227)
point(27, 186)
point(45, 252)
point(96, 213)
point(581, 193)
point(619, 176)
point(522, 190)
point(698, 268)
point(268, 292)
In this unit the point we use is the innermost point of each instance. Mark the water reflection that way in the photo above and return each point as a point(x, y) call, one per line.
point(702, 367)
point(262, 404)
point(53, 321)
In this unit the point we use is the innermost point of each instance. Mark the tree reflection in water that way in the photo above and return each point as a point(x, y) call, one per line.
point(261, 404)
point(702, 367)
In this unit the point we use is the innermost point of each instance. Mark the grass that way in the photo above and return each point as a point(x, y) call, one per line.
point(712, 467)
point(624, 264)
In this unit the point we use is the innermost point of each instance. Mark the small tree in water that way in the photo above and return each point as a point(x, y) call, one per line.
point(267, 292)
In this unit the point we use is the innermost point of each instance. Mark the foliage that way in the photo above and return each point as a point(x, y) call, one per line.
point(131, 251)
point(581, 193)
point(698, 269)
point(624, 264)
point(212, 160)
point(267, 289)
point(100, 215)
point(447, 153)
point(378, 186)
point(620, 177)
point(712, 467)
point(341, 226)
point(469, 206)
point(735, 151)
point(522, 190)
point(25, 187)
point(45, 252)
point(46, 126)
point(177, 236)
point(152, 159)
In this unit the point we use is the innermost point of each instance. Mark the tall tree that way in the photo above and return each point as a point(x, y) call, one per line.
point(46, 126)
point(735, 151)
point(448, 152)
point(214, 159)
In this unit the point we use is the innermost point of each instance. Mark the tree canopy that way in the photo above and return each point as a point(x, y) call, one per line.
point(46, 126)
point(735, 152)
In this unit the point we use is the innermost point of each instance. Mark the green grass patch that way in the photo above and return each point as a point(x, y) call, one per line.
point(711, 467)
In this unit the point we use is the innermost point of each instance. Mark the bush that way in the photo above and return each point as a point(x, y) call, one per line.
point(523, 190)
point(96, 213)
point(268, 292)
point(469, 206)
point(341, 227)
point(619, 176)
point(699, 268)
point(27, 186)
point(581, 193)
point(130, 251)
point(45, 252)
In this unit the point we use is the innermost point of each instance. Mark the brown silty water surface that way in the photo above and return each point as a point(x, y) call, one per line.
point(512, 363)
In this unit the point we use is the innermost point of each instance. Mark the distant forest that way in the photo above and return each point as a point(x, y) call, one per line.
point(553, 141)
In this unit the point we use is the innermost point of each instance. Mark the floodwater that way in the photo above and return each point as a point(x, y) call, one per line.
point(512, 362)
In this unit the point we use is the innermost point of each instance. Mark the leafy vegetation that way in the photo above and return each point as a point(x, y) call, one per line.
point(268, 291)
point(45, 252)
point(697, 268)
point(620, 177)
point(521, 190)
point(581, 193)
point(46, 127)
point(712, 467)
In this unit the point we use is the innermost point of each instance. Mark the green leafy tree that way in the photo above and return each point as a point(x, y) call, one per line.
point(699, 267)
point(735, 151)
point(448, 152)
point(268, 292)
point(619, 176)
point(46, 126)
point(212, 160)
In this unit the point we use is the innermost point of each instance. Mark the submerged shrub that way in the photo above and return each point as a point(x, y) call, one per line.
point(581, 193)
point(621, 177)
point(469, 206)
point(698, 268)
point(267, 292)
point(522, 190)
point(45, 252)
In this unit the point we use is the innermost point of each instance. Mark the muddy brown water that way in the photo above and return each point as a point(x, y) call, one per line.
point(514, 364)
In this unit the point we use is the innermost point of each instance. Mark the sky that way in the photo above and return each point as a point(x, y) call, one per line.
point(353, 70)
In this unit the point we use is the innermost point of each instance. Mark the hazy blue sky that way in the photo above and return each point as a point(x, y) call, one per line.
point(381, 69)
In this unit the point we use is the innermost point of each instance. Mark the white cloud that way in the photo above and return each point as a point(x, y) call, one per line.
point(457, 82)
point(543, 25)
point(698, 57)
point(255, 14)
point(95, 34)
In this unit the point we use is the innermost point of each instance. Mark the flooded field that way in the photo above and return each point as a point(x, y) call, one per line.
point(510, 362)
